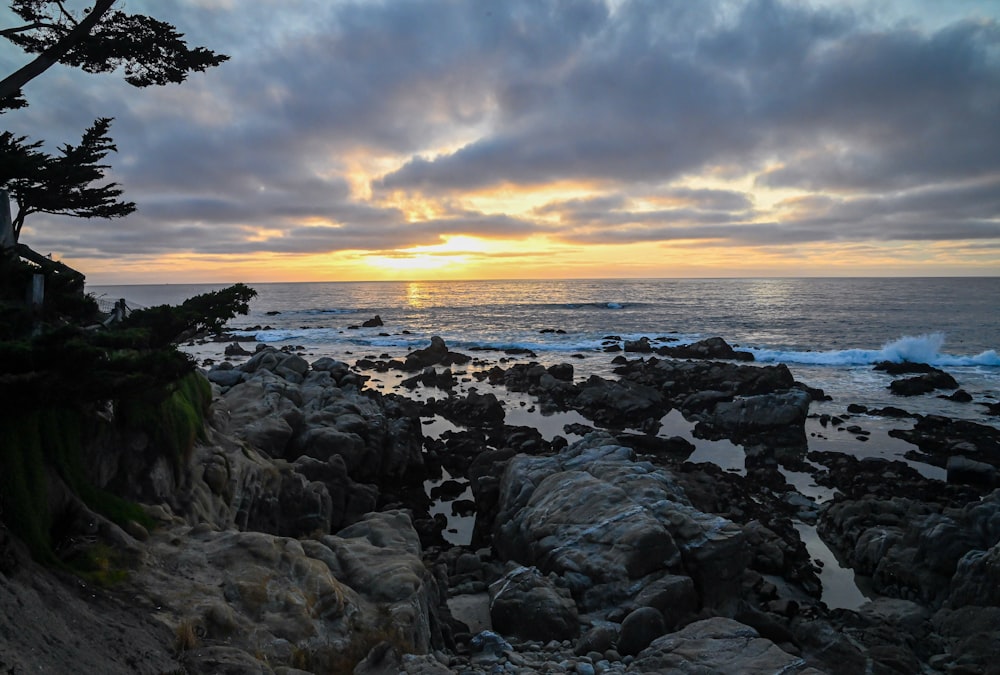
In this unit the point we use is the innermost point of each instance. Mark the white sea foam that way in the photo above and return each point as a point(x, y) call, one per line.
point(916, 349)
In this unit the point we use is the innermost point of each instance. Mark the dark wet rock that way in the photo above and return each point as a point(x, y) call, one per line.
point(436, 353)
point(337, 369)
point(526, 604)
point(904, 367)
point(959, 396)
point(977, 575)
point(430, 377)
point(923, 384)
point(673, 595)
point(640, 346)
point(562, 371)
point(961, 469)
point(674, 446)
point(600, 638)
point(618, 404)
point(911, 549)
point(749, 415)
point(945, 437)
point(971, 634)
point(474, 410)
point(711, 348)
point(374, 322)
point(640, 627)
point(236, 349)
point(679, 379)
point(716, 645)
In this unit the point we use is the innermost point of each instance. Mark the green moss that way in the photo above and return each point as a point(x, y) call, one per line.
point(32, 445)
point(24, 484)
point(100, 565)
point(173, 417)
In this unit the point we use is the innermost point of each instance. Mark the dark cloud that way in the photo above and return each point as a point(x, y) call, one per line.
point(889, 130)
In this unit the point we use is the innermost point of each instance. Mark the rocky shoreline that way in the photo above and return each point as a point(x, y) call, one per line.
point(305, 533)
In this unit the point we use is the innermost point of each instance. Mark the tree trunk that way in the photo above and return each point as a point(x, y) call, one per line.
point(12, 84)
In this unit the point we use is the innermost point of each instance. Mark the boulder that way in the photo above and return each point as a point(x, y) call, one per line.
point(977, 579)
point(640, 627)
point(716, 645)
point(673, 595)
point(434, 354)
point(618, 404)
point(756, 414)
point(225, 377)
point(923, 384)
point(593, 511)
point(236, 349)
point(964, 470)
point(526, 604)
point(711, 348)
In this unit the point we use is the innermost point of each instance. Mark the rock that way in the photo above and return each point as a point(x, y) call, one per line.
point(641, 346)
point(618, 404)
point(904, 367)
point(977, 579)
point(711, 348)
point(673, 595)
point(562, 372)
point(959, 396)
point(236, 349)
point(488, 647)
point(923, 384)
point(374, 322)
point(640, 628)
point(528, 605)
point(755, 414)
point(594, 511)
point(716, 645)
point(598, 639)
point(337, 369)
point(964, 470)
point(383, 659)
point(225, 377)
point(435, 354)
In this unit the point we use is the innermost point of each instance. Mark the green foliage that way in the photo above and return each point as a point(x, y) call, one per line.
point(36, 442)
point(72, 366)
point(173, 416)
point(24, 483)
point(206, 312)
point(63, 183)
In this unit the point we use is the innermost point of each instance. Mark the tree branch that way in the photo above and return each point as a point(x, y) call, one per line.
point(12, 84)
point(66, 13)
point(31, 26)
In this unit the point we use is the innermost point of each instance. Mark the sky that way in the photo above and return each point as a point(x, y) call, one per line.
point(465, 139)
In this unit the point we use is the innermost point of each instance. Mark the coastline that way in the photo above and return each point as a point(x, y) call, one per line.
point(376, 512)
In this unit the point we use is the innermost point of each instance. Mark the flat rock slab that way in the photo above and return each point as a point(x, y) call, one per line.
point(473, 610)
point(717, 645)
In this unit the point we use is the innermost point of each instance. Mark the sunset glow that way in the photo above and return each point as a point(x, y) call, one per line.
point(614, 140)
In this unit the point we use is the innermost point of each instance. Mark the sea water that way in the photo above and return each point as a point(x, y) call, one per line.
point(828, 331)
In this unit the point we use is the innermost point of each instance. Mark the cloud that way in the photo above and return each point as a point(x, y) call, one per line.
point(333, 118)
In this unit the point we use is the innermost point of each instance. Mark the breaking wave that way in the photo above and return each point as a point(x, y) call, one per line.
point(916, 349)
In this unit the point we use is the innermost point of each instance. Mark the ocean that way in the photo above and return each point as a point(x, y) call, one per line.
point(829, 331)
